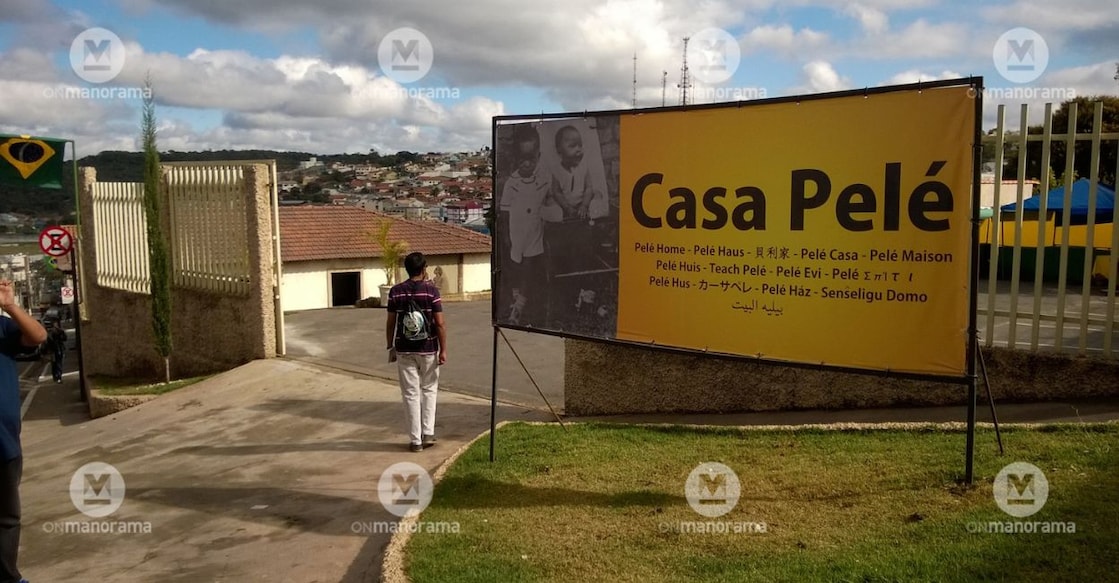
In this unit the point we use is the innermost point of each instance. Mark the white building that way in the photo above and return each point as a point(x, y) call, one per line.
point(330, 257)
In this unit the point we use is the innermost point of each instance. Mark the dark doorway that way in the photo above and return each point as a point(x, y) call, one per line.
point(345, 288)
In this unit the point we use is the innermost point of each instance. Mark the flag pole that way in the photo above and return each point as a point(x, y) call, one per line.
point(75, 262)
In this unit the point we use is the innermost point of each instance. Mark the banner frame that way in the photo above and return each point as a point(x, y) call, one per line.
point(968, 378)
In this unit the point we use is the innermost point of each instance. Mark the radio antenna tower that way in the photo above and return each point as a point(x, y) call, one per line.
point(635, 80)
point(685, 78)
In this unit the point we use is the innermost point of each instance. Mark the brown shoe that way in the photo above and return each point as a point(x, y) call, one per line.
point(416, 447)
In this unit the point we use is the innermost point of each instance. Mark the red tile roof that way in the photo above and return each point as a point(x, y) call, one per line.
point(310, 233)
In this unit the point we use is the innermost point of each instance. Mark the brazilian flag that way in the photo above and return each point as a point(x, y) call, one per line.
point(29, 161)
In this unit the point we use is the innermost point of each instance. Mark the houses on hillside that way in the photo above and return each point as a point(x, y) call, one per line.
point(451, 188)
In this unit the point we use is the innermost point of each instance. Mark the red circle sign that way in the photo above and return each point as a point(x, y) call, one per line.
point(55, 241)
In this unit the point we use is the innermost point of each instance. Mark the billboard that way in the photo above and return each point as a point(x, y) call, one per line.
point(829, 231)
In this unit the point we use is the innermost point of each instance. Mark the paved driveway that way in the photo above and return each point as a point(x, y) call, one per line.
point(354, 339)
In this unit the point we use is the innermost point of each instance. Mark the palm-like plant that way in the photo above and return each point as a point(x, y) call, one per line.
point(392, 251)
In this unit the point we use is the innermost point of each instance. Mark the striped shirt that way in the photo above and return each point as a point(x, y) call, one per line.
point(427, 299)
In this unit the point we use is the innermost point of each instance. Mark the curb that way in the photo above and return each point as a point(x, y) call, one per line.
point(392, 566)
point(104, 405)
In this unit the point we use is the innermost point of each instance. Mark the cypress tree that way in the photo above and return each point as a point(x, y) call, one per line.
point(158, 259)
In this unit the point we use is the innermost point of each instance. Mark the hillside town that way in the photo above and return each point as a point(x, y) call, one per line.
point(452, 188)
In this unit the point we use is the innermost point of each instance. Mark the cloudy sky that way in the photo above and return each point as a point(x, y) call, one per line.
point(308, 75)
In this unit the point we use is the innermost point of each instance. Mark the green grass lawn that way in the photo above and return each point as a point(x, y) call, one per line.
point(604, 503)
point(122, 386)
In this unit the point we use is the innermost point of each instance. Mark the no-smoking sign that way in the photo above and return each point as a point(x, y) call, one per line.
point(55, 241)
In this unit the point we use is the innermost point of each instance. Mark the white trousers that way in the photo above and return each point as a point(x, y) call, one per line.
point(419, 383)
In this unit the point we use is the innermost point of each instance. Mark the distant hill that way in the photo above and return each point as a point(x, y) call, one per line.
point(119, 166)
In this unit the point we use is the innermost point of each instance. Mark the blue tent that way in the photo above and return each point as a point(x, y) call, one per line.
point(1078, 212)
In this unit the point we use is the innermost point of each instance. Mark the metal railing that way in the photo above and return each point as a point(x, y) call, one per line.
point(120, 236)
point(209, 218)
point(1055, 316)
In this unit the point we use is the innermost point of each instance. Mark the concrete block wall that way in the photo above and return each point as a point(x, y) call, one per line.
point(609, 379)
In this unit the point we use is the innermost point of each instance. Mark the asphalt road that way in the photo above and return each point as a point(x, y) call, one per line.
point(354, 339)
point(1047, 331)
point(37, 389)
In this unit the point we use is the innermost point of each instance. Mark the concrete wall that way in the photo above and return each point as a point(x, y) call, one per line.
point(603, 379)
point(476, 272)
point(211, 332)
point(448, 265)
point(306, 284)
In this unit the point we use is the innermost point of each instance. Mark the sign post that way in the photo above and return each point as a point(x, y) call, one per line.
point(56, 241)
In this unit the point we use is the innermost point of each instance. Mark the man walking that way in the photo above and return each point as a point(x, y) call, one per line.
point(17, 333)
point(56, 346)
point(415, 329)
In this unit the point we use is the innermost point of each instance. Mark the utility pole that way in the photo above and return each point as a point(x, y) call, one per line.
point(664, 86)
point(635, 80)
point(685, 78)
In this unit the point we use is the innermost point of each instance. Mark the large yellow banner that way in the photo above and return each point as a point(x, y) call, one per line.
point(832, 231)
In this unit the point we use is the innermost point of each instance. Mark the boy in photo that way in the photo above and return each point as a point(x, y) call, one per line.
point(574, 188)
point(526, 196)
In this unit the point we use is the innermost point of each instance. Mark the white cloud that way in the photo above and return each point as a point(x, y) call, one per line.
point(873, 20)
point(917, 76)
point(782, 39)
point(577, 54)
point(1044, 15)
point(921, 39)
point(821, 77)
point(1054, 87)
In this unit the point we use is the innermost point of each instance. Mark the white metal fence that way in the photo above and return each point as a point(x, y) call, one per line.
point(209, 219)
point(120, 236)
point(208, 241)
point(1022, 304)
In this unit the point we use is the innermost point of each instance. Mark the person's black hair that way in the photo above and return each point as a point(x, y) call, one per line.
point(414, 264)
point(564, 129)
point(526, 133)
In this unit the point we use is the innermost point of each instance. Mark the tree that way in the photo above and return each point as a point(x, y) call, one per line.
point(158, 259)
point(1082, 160)
point(392, 251)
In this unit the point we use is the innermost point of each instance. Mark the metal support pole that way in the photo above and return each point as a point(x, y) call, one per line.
point(973, 286)
point(493, 396)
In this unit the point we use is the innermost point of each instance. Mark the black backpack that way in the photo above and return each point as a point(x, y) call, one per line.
point(414, 326)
